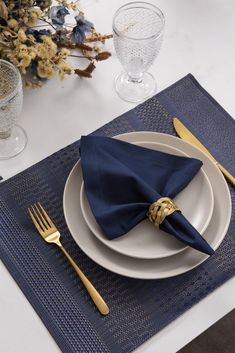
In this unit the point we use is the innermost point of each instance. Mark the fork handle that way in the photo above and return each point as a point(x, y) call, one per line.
point(95, 296)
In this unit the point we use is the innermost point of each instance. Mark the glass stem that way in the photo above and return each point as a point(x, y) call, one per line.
point(135, 78)
point(5, 134)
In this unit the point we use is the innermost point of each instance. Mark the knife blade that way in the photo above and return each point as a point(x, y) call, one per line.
point(186, 135)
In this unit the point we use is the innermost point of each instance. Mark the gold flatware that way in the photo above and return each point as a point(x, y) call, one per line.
point(186, 135)
point(50, 234)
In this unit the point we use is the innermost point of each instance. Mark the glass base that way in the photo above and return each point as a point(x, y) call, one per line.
point(134, 91)
point(14, 144)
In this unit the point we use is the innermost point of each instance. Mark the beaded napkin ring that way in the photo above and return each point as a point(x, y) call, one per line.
point(160, 209)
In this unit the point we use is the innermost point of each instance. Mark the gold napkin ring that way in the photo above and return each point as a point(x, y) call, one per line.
point(160, 209)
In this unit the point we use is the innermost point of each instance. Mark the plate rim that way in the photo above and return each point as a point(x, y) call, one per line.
point(129, 273)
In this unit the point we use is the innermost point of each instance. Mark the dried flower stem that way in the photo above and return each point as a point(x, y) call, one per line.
point(8, 29)
point(44, 25)
point(99, 57)
point(49, 23)
point(5, 44)
point(81, 56)
point(70, 45)
point(98, 39)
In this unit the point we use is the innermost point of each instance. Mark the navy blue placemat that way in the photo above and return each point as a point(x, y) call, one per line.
point(139, 309)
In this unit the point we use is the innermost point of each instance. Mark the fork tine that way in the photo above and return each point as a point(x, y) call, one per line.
point(43, 219)
point(35, 221)
point(38, 218)
point(49, 221)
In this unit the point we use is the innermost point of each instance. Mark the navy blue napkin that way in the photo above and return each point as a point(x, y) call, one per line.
point(121, 181)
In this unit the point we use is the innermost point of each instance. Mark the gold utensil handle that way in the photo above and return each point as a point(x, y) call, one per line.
point(96, 297)
point(227, 175)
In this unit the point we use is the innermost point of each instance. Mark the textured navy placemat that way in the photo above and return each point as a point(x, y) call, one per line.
point(139, 309)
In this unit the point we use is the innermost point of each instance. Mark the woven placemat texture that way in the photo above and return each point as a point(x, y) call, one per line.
point(139, 309)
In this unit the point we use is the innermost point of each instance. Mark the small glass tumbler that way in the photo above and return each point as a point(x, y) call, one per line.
point(137, 34)
point(13, 138)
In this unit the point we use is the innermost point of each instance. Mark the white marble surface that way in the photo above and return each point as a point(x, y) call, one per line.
point(200, 39)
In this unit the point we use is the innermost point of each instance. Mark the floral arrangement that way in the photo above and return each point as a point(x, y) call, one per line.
point(35, 37)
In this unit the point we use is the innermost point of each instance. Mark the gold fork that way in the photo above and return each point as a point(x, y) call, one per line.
point(50, 233)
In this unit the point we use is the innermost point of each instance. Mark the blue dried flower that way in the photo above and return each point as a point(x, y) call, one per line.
point(57, 15)
point(77, 35)
point(38, 34)
point(32, 71)
point(43, 4)
point(79, 31)
point(82, 22)
point(60, 36)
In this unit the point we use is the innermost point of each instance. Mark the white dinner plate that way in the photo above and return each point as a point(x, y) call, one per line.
point(156, 268)
point(145, 241)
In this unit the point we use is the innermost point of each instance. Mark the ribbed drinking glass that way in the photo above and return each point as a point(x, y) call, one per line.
point(137, 34)
point(13, 138)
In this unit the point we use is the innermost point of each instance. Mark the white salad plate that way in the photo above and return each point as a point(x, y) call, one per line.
point(145, 241)
point(149, 268)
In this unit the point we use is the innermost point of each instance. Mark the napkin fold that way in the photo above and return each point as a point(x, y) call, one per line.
point(122, 180)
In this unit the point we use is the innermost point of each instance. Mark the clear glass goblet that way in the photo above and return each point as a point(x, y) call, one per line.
point(137, 34)
point(13, 138)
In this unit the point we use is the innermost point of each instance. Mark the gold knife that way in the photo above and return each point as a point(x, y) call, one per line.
point(186, 135)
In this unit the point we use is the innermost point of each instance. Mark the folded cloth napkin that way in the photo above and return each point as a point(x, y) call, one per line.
point(122, 180)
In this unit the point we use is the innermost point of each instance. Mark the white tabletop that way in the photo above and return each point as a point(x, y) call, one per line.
point(199, 38)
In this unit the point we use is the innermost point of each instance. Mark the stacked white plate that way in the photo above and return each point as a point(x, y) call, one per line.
point(146, 252)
